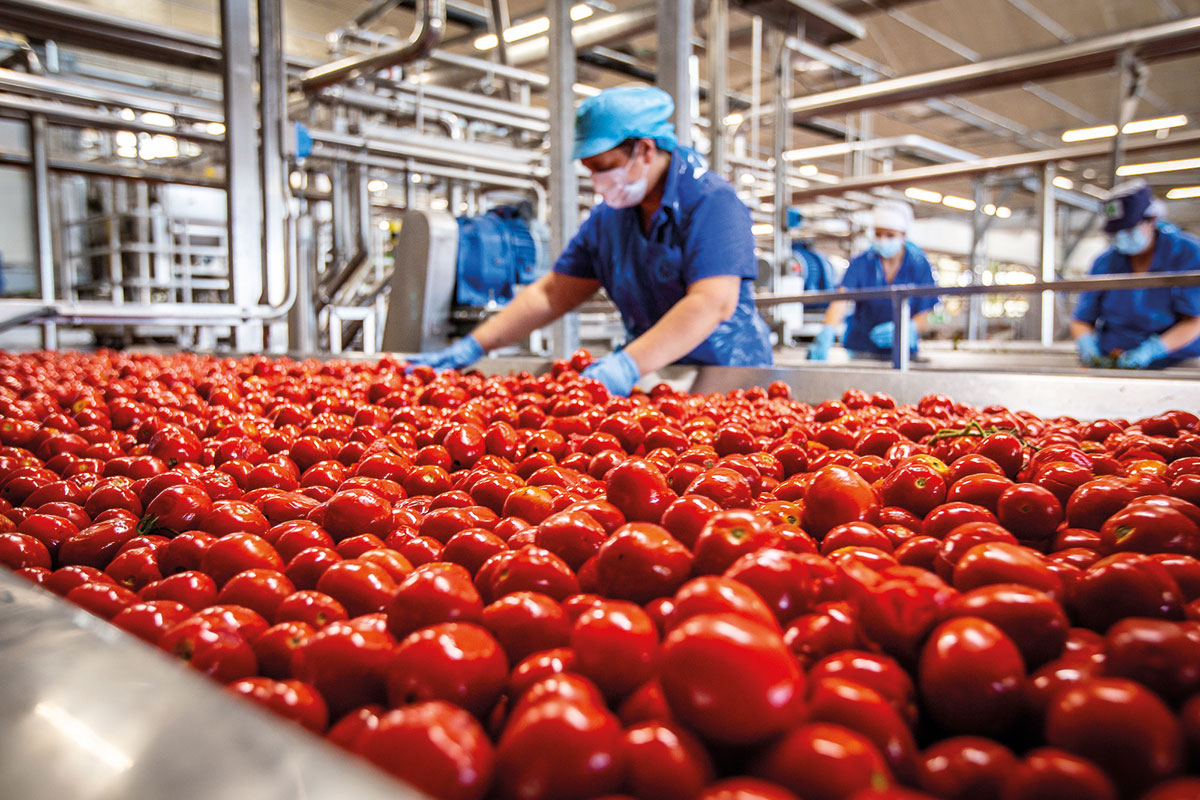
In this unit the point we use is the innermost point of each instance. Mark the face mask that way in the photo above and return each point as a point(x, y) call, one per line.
point(888, 247)
point(616, 188)
point(1132, 241)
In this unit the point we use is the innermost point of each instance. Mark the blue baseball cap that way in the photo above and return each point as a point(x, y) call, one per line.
point(1127, 205)
point(629, 112)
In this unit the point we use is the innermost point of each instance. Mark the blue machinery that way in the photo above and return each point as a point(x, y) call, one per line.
point(442, 263)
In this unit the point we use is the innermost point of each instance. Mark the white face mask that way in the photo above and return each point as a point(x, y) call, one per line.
point(616, 188)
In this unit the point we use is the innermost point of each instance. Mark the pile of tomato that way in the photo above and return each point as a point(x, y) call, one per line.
point(520, 587)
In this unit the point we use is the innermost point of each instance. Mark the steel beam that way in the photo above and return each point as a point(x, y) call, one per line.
point(272, 82)
point(244, 192)
point(40, 173)
point(782, 131)
point(718, 87)
point(674, 51)
point(564, 184)
point(908, 177)
point(1047, 211)
point(1165, 40)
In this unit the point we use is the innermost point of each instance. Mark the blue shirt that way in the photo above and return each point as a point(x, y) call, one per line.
point(818, 272)
point(866, 272)
point(1125, 319)
point(701, 230)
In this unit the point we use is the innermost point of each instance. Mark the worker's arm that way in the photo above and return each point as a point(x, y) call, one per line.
point(837, 311)
point(537, 305)
point(1081, 328)
point(708, 303)
point(1181, 334)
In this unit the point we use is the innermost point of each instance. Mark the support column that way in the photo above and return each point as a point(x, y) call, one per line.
point(783, 129)
point(674, 51)
point(975, 302)
point(564, 185)
point(1047, 210)
point(273, 105)
point(40, 171)
point(718, 47)
point(242, 180)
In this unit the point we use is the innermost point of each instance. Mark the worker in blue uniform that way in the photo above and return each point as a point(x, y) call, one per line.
point(671, 244)
point(892, 260)
point(1140, 328)
point(814, 267)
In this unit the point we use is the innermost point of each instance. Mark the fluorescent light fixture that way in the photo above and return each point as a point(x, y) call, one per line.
point(808, 170)
point(923, 194)
point(158, 119)
point(1162, 123)
point(1184, 193)
point(1084, 134)
point(1003, 212)
point(963, 203)
point(1137, 126)
point(383, 225)
point(126, 139)
point(747, 179)
point(762, 229)
point(734, 119)
point(585, 90)
point(215, 128)
point(377, 185)
point(990, 209)
point(523, 30)
point(1159, 166)
point(1063, 182)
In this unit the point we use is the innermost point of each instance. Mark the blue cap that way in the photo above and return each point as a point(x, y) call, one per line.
point(794, 218)
point(631, 112)
point(1127, 205)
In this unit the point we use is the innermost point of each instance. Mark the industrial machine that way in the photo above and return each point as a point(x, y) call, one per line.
point(472, 264)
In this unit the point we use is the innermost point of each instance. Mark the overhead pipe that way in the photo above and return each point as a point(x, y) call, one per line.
point(1153, 42)
point(427, 33)
point(908, 177)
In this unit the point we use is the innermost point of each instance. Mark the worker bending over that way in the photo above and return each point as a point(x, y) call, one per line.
point(671, 244)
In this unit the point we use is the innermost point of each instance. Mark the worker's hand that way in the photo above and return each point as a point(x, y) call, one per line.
point(819, 351)
point(617, 371)
point(883, 335)
point(1143, 355)
point(1088, 346)
point(463, 353)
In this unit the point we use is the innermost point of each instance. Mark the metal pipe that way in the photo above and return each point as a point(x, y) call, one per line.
point(564, 188)
point(78, 116)
point(56, 88)
point(112, 171)
point(499, 23)
point(426, 35)
point(937, 151)
point(42, 223)
point(1165, 280)
point(272, 82)
point(1165, 40)
point(718, 87)
point(424, 149)
point(1047, 209)
point(782, 131)
point(981, 166)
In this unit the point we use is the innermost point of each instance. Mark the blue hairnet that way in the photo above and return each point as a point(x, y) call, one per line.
point(631, 112)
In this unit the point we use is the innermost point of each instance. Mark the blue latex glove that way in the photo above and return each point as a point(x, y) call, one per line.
point(883, 335)
point(617, 371)
point(1088, 346)
point(819, 351)
point(463, 353)
point(1143, 355)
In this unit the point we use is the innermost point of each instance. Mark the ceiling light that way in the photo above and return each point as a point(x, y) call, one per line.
point(747, 178)
point(215, 128)
point(376, 186)
point(585, 90)
point(1184, 193)
point(808, 170)
point(734, 119)
point(533, 27)
point(1159, 166)
point(1162, 123)
point(990, 209)
point(383, 225)
point(1137, 126)
point(1003, 212)
point(158, 119)
point(1063, 182)
point(923, 194)
point(1084, 134)
point(762, 229)
point(962, 203)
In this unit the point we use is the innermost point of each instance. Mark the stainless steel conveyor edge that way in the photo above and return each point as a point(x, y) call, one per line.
point(89, 712)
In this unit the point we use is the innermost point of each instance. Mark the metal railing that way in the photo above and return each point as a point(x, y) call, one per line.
point(901, 313)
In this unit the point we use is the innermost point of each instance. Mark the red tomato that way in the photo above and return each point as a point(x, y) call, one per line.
point(971, 676)
point(824, 762)
point(836, 495)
